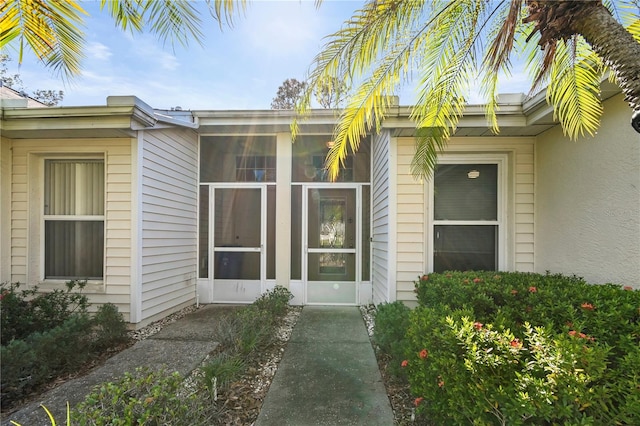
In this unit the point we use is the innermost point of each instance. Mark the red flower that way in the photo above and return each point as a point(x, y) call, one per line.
point(515, 343)
point(424, 353)
point(477, 280)
point(441, 383)
point(533, 289)
point(404, 363)
point(477, 325)
point(587, 306)
point(514, 292)
point(417, 401)
point(572, 333)
point(582, 336)
point(627, 288)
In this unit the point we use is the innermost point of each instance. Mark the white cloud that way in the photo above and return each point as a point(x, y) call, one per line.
point(99, 51)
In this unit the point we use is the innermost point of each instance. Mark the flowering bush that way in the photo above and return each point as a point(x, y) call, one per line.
point(517, 348)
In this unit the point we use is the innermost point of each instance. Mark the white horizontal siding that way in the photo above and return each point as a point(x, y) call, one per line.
point(413, 204)
point(26, 213)
point(5, 209)
point(169, 184)
point(380, 218)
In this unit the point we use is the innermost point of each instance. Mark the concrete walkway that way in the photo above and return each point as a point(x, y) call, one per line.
point(328, 374)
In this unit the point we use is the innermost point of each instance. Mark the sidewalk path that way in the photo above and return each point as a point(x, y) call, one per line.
point(328, 374)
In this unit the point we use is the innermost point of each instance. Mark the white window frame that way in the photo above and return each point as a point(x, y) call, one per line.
point(502, 161)
point(44, 218)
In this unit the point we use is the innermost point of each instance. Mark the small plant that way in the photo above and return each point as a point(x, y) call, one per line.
point(109, 327)
point(220, 371)
point(146, 397)
point(275, 302)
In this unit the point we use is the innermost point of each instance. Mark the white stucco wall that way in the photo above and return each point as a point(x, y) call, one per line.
point(588, 201)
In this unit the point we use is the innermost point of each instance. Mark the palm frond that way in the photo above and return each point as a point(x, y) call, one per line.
point(174, 20)
point(574, 89)
point(448, 65)
point(126, 14)
point(224, 11)
point(51, 29)
point(367, 40)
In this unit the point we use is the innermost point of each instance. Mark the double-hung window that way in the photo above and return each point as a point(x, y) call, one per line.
point(466, 217)
point(74, 219)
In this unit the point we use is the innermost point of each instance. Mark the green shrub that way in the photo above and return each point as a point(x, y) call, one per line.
point(389, 333)
point(147, 398)
point(517, 348)
point(275, 302)
point(471, 373)
point(109, 327)
point(245, 331)
point(33, 361)
point(25, 311)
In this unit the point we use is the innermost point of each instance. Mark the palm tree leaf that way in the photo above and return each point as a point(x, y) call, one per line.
point(51, 29)
point(125, 13)
point(173, 20)
point(574, 89)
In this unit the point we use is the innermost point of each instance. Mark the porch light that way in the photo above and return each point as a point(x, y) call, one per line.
point(473, 174)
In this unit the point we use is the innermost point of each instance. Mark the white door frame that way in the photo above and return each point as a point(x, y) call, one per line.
point(357, 251)
point(237, 283)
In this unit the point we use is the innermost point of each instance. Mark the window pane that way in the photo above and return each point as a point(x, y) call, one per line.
point(366, 240)
point(238, 213)
point(203, 230)
point(466, 192)
point(74, 187)
point(237, 159)
point(296, 232)
point(74, 249)
point(465, 248)
point(237, 265)
point(308, 161)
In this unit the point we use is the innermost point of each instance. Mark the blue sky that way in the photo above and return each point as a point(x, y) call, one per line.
point(238, 68)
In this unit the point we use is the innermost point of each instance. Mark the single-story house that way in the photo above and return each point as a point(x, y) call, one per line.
point(162, 209)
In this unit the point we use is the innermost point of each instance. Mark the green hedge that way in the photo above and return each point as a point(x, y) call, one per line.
point(42, 356)
point(517, 348)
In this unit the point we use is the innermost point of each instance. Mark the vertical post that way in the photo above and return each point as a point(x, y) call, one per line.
point(284, 153)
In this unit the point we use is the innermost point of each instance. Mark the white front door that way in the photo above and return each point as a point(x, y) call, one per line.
point(331, 232)
point(238, 235)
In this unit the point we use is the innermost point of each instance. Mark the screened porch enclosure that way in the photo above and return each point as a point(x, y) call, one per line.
point(244, 200)
point(237, 217)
